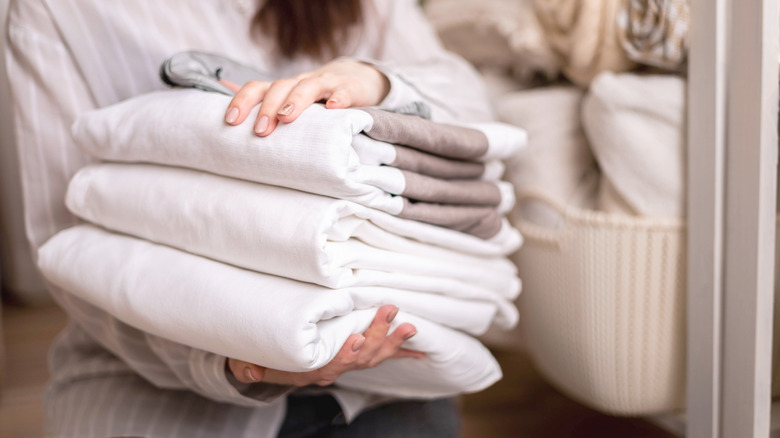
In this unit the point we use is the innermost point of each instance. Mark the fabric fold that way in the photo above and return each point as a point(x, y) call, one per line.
point(273, 321)
point(280, 231)
point(636, 128)
point(476, 141)
point(375, 152)
point(313, 154)
point(655, 32)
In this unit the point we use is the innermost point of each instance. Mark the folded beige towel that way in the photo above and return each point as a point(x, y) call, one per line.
point(585, 35)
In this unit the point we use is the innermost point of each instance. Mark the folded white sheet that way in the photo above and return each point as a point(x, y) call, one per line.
point(264, 319)
point(281, 231)
point(314, 154)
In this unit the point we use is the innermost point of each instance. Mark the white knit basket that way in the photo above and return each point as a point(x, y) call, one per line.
point(603, 308)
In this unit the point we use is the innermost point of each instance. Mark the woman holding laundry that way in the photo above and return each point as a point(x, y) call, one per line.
point(110, 379)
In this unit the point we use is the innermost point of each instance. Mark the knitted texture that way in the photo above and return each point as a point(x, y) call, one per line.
point(603, 309)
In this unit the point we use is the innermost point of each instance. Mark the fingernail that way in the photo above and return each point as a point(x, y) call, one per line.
point(391, 315)
point(249, 375)
point(285, 110)
point(333, 101)
point(261, 125)
point(358, 343)
point(232, 115)
point(409, 335)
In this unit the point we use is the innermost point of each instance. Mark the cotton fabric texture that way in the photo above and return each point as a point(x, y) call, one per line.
point(185, 128)
point(280, 323)
point(636, 129)
point(293, 234)
point(65, 60)
point(557, 159)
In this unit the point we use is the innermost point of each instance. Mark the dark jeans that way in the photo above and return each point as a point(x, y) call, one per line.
point(320, 416)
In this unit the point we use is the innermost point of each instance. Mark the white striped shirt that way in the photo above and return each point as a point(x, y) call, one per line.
point(69, 56)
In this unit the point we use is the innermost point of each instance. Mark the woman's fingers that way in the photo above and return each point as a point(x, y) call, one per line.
point(376, 333)
point(366, 350)
point(340, 84)
point(393, 341)
point(275, 104)
point(407, 353)
point(344, 361)
point(281, 100)
point(272, 97)
point(380, 345)
point(246, 372)
point(340, 98)
point(245, 99)
point(306, 92)
point(359, 351)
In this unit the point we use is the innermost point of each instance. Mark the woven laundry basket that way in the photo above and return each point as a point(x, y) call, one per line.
point(603, 308)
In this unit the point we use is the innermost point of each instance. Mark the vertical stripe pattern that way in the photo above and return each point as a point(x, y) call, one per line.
point(66, 57)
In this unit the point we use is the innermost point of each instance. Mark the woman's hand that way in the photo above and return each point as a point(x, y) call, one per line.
point(368, 350)
point(341, 84)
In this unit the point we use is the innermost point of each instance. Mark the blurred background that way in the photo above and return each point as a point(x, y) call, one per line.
point(601, 88)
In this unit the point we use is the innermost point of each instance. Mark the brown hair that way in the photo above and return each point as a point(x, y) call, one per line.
point(318, 28)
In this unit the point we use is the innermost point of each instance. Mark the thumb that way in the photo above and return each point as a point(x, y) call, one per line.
point(246, 372)
point(339, 99)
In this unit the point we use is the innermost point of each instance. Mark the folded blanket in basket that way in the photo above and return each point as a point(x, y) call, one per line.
point(268, 320)
point(636, 127)
point(313, 154)
point(281, 231)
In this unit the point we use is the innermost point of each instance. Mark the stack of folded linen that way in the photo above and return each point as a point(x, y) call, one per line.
point(274, 250)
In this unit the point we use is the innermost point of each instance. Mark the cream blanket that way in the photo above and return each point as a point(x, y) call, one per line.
point(636, 128)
